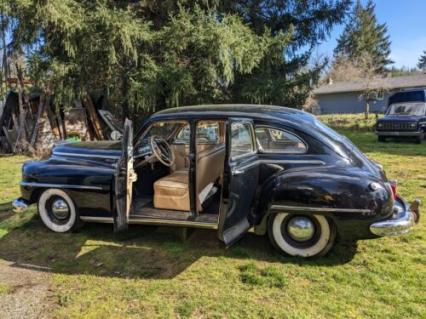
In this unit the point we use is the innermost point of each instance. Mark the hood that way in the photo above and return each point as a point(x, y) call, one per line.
point(97, 149)
point(400, 118)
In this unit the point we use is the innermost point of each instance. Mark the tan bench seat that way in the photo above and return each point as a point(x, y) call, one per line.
point(172, 192)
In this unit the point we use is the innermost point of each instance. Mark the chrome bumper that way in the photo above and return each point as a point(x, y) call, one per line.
point(401, 222)
point(19, 205)
point(405, 133)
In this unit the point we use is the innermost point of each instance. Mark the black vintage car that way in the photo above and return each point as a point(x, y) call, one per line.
point(404, 117)
point(229, 168)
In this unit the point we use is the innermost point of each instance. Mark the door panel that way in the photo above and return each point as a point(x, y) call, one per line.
point(242, 175)
point(124, 177)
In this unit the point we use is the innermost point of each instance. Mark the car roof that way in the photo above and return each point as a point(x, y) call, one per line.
point(236, 110)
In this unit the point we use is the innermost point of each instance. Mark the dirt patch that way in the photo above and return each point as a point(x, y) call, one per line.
point(25, 291)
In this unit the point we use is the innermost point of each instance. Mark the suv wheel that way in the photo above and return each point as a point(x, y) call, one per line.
point(301, 235)
point(420, 138)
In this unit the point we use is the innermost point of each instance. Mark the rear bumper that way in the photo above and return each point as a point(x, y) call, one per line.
point(19, 205)
point(401, 222)
point(392, 133)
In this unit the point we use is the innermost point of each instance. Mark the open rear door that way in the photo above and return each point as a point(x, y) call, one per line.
point(242, 177)
point(124, 177)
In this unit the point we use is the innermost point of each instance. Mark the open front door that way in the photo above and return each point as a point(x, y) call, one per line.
point(124, 177)
point(242, 176)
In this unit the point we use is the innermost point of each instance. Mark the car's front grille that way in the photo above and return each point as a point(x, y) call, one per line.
point(396, 126)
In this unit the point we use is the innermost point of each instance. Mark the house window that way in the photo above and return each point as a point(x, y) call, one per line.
point(380, 96)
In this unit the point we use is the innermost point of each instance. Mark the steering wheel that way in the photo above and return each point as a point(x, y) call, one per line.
point(162, 151)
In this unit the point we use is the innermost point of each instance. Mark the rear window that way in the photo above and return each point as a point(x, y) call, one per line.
point(411, 96)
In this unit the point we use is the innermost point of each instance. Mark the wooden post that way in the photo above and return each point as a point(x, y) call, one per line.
point(21, 141)
point(37, 120)
point(93, 116)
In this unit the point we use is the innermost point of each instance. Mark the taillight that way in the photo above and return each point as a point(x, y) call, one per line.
point(393, 185)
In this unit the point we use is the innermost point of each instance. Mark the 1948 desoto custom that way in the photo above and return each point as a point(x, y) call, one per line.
point(231, 168)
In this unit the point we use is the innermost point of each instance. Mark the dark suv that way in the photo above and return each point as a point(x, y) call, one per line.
point(404, 117)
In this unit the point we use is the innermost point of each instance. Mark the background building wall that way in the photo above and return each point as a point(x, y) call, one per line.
point(349, 102)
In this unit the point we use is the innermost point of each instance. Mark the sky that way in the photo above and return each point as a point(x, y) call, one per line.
point(406, 21)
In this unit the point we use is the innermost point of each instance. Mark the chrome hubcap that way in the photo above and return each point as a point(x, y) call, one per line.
point(60, 209)
point(301, 228)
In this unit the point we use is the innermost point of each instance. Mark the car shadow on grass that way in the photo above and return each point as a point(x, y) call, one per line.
point(142, 252)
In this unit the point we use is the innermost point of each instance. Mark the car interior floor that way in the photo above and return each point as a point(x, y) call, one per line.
point(143, 208)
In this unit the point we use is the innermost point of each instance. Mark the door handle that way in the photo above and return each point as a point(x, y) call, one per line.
point(237, 172)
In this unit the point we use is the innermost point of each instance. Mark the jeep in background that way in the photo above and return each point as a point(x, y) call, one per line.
point(404, 117)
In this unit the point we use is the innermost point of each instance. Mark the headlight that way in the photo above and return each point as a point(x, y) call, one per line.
point(380, 125)
point(413, 125)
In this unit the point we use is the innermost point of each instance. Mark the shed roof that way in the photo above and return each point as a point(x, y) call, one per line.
point(399, 82)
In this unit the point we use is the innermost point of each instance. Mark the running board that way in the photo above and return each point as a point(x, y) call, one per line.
point(152, 221)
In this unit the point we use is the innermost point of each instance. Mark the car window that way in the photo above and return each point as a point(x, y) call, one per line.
point(271, 140)
point(207, 133)
point(241, 139)
point(163, 129)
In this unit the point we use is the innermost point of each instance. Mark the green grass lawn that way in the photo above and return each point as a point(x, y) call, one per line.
point(150, 272)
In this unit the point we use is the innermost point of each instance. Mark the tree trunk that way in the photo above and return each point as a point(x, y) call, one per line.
point(367, 109)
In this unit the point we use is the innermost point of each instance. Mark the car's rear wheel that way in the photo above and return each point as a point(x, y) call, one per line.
point(57, 211)
point(301, 235)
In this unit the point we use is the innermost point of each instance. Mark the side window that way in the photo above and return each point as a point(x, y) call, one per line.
point(271, 140)
point(207, 133)
point(241, 139)
point(183, 136)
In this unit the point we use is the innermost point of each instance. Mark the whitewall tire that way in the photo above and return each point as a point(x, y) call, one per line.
point(301, 235)
point(57, 211)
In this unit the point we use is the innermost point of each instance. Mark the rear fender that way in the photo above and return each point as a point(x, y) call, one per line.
point(339, 194)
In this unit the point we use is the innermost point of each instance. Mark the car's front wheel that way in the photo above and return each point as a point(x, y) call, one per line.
point(301, 235)
point(57, 211)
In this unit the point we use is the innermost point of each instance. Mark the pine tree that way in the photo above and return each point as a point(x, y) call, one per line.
point(422, 61)
point(153, 54)
point(363, 35)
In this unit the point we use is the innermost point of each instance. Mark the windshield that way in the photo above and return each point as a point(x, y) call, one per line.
point(407, 109)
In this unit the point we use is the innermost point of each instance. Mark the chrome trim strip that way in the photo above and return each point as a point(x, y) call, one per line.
point(319, 162)
point(85, 155)
point(320, 209)
point(152, 221)
point(169, 222)
point(271, 161)
point(34, 184)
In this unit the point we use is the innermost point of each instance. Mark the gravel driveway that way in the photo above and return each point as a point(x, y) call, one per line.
point(24, 291)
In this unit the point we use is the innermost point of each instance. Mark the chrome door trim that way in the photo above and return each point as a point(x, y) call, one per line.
point(271, 161)
point(49, 185)
point(320, 209)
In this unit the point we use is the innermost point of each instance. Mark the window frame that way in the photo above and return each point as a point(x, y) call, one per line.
point(263, 151)
point(253, 139)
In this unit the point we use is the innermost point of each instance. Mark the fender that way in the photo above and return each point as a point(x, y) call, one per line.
point(87, 181)
point(339, 193)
